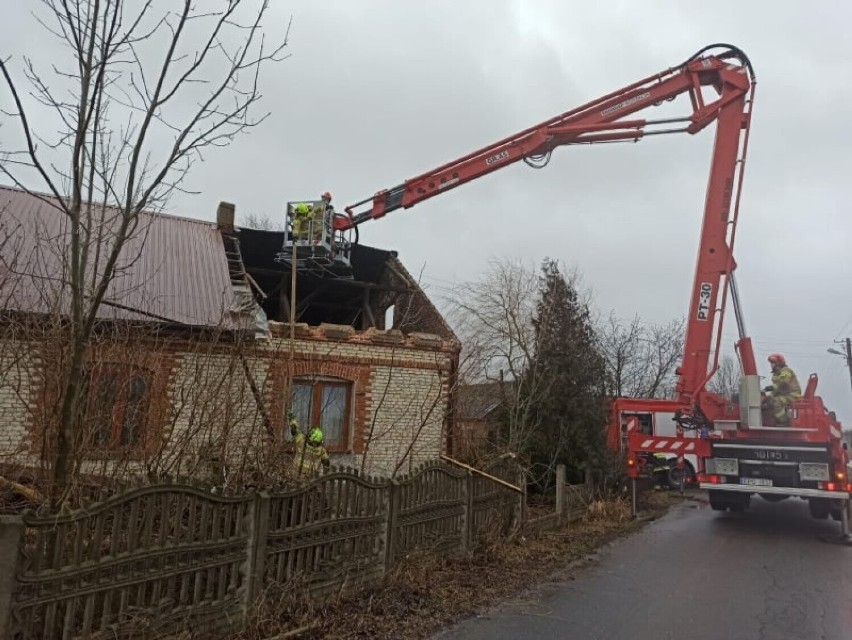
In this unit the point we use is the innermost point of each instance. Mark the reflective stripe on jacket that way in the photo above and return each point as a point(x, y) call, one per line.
point(785, 383)
point(307, 458)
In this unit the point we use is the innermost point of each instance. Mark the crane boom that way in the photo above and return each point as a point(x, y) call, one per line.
point(605, 120)
point(596, 121)
point(735, 450)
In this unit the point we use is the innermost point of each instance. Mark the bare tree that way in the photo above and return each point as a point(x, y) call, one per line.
point(641, 358)
point(493, 317)
point(726, 380)
point(620, 344)
point(135, 76)
point(663, 349)
point(262, 221)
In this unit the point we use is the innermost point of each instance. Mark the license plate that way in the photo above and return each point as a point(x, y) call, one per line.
point(756, 482)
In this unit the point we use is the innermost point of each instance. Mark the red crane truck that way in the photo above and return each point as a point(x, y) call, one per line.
point(732, 445)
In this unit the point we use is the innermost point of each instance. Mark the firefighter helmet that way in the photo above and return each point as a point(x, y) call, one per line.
point(315, 436)
point(777, 358)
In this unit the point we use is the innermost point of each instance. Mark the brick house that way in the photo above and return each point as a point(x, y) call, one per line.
point(192, 357)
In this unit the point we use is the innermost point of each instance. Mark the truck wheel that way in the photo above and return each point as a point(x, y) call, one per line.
point(722, 500)
point(835, 509)
point(819, 508)
point(680, 477)
point(718, 500)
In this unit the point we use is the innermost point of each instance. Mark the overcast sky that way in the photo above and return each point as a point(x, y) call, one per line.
point(379, 91)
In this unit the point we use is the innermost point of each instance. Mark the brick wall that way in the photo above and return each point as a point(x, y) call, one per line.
point(205, 408)
point(400, 389)
point(17, 366)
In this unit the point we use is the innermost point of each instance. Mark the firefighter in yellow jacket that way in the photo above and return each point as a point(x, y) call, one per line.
point(309, 453)
point(783, 391)
point(302, 216)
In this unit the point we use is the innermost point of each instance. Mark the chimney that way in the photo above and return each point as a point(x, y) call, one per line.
point(225, 216)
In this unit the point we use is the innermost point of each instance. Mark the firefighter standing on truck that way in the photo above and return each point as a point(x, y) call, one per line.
point(783, 391)
point(309, 453)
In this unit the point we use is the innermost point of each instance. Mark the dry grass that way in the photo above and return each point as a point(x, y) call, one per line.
point(616, 511)
point(426, 592)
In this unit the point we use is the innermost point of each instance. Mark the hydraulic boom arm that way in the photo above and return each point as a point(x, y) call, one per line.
point(728, 76)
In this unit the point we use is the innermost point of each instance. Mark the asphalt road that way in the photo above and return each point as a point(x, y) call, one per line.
point(693, 575)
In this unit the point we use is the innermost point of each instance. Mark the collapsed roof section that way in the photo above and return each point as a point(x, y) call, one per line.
point(379, 282)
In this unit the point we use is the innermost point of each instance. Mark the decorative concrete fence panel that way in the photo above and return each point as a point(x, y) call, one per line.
point(135, 565)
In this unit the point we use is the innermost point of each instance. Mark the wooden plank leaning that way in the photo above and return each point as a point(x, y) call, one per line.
point(482, 473)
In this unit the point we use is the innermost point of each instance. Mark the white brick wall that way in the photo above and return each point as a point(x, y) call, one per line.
point(211, 404)
point(407, 410)
point(212, 408)
point(16, 370)
point(329, 349)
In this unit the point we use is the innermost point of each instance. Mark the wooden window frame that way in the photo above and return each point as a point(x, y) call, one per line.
point(317, 384)
point(123, 373)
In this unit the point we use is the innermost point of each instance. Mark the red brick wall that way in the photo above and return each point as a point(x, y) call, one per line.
point(408, 405)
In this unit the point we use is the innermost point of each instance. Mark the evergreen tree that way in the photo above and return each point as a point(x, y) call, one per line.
point(572, 413)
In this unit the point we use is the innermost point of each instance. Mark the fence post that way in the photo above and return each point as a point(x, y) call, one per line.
point(256, 552)
point(467, 519)
point(560, 491)
point(391, 523)
point(11, 535)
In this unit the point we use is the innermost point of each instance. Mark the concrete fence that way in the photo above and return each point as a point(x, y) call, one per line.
point(155, 559)
point(572, 501)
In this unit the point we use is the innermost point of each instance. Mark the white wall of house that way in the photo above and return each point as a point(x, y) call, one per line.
point(202, 405)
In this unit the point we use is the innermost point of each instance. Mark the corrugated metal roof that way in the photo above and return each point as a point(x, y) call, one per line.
point(172, 268)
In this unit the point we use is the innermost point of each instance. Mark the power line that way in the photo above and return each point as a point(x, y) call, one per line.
point(847, 324)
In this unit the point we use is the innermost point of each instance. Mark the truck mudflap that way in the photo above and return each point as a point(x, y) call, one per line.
point(784, 491)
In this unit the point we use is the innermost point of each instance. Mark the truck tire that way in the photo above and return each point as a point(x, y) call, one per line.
point(717, 503)
point(819, 508)
point(722, 500)
point(680, 477)
point(835, 509)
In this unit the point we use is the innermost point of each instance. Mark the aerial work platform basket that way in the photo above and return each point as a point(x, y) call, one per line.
point(312, 242)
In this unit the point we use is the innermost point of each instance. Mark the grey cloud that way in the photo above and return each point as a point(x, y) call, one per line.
point(378, 91)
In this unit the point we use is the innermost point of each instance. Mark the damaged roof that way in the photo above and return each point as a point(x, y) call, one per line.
point(172, 269)
point(177, 270)
point(259, 248)
point(378, 282)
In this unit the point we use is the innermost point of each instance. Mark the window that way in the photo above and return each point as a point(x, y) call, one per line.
point(117, 405)
point(324, 403)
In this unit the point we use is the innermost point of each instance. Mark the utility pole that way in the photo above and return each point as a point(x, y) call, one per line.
point(848, 355)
